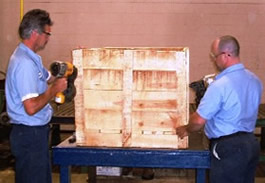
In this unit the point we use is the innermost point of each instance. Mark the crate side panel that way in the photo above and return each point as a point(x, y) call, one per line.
point(159, 99)
point(141, 90)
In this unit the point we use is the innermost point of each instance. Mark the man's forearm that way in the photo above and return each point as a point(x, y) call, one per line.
point(193, 127)
point(196, 122)
point(33, 105)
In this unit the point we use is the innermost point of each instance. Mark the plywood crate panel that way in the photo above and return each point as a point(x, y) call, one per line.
point(127, 97)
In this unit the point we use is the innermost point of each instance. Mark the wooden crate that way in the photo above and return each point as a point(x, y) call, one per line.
point(127, 97)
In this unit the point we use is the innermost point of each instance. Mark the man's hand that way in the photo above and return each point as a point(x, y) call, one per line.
point(59, 85)
point(182, 131)
point(196, 122)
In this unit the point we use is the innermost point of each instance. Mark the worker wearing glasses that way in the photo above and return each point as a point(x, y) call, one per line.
point(27, 96)
point(228, 112)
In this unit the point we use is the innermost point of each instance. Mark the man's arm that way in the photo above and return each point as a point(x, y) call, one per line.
point(196, 122)
point(35, 104)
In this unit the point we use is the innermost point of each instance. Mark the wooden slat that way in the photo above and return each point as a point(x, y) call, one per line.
point(154, 80)
point(103, 99)
point(156, 101)
point(79, 98)
point(158, 141)
point(97, 119)
point(100, 79)
point(101, 139)
point(102, 59)
point(127, 99)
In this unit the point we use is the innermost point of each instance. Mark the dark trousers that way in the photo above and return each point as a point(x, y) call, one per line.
point(30, 147)
point(234, 158)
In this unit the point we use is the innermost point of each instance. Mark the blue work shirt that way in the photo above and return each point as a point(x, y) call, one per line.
point(26, 78)
point(231, 102)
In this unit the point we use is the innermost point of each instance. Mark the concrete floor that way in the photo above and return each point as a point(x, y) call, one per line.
point(7, 176)
point(80, 174)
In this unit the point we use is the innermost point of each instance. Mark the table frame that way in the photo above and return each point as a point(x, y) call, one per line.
point(65, 156)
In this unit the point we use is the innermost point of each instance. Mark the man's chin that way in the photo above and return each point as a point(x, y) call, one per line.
point(41, 48)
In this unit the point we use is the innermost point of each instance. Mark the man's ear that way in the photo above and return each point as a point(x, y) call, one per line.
point(34, 34)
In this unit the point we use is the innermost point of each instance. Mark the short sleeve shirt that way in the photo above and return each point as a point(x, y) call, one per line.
point(26, 78)
point(231, 102)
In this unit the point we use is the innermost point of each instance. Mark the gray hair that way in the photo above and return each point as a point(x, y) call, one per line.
point(35, 19)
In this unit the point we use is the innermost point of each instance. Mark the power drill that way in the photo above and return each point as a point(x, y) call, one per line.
point(65, 69)
point(201, 86)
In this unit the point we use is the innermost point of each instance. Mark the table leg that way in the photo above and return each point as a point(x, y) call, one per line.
point(65, 174)
point(200, 175)
point(92, 174)
point(55, 134)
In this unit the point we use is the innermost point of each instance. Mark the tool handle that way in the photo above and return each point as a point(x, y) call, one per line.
point(60, 98)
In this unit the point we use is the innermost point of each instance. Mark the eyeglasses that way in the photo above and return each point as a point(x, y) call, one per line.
point(216, 56)
point(47, 33)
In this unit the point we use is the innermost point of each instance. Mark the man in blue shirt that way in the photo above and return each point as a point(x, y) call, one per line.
point(27, 96)
point(229, 110)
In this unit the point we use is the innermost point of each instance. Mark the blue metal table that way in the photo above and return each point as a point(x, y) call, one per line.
point(67, 154)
